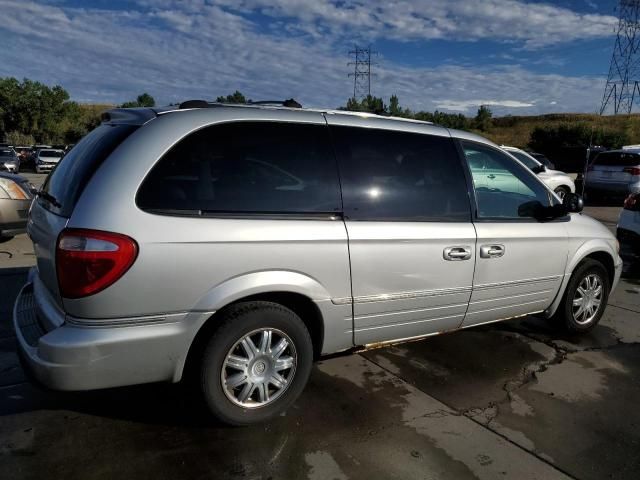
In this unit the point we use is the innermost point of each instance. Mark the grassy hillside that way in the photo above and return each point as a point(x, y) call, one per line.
point(516, 131)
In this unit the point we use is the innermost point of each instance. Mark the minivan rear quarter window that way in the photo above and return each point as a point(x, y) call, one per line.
point(399, 176)
point(71, 175)
point(246, 168)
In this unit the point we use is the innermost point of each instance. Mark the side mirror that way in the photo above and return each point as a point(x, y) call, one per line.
point(573, 203)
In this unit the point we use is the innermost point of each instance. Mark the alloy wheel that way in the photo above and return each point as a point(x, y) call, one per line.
point(587, 299)
point(259, 368)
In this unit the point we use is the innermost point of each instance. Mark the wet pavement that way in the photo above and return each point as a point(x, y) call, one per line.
point(515, 400)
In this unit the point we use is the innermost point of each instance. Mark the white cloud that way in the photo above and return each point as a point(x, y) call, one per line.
point(532, 24)
point(199, 50)
point(466, 105)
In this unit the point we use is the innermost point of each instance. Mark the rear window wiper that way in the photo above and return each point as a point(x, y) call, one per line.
point(49, 198)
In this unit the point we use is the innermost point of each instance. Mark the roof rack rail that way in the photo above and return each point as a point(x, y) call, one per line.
point(291, 103)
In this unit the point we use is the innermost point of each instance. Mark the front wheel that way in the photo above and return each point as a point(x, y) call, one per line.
point(561, 191)
point(256, 363)
point(585, 298)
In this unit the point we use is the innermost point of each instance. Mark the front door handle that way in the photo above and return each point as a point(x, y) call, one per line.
point(455, 254)
point(491, 176)
point(491, 251)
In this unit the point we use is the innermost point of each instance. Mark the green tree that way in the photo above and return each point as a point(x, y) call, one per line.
point(394, 107)
point(483, 120)
point(235, 97)
point(143, 100)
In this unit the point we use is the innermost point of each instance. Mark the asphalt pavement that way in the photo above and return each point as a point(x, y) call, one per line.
point(514, 400)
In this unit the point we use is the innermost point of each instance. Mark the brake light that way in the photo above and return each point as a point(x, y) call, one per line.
point(88, 261)
point(632, 170)
point(632, 202)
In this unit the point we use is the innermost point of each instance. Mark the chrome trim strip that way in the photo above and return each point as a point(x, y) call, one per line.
point(127, 322)
point(514, 283)
point(410, 310)
point(401, 324)
point(475, 302)
point(384, 297)
point(508, 306)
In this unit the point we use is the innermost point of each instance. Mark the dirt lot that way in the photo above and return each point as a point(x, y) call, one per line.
point(517, 400)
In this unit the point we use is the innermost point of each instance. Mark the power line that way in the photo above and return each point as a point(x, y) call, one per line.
point(623, 82)
point(362, 71)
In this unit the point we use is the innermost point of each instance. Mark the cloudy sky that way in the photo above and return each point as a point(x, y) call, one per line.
point(521, 57)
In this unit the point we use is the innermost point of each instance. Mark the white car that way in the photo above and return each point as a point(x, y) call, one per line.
point(558, 181)
point(628, 232)
point(46, 159)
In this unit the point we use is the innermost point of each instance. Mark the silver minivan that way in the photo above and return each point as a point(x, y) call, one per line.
point(237, 244)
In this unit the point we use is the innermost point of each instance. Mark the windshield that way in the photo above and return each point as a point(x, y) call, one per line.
point(529, 162)
point(6, 153)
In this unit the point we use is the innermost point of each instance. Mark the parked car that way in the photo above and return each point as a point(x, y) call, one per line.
point(543, 160)
point(559, 182)
point(15, 198)
point(613, 173)
point(246, 241)
point(628, 232)
point(9, 160)
point(46, 159)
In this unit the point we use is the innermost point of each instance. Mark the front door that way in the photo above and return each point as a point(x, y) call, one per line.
point(521, 261)
point(411, 240)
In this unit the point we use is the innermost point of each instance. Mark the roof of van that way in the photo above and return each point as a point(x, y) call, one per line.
point(140, 116)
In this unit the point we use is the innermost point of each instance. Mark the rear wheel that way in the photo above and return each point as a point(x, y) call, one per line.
point(585, 298)
point(256, 363)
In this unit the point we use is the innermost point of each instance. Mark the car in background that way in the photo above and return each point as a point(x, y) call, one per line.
point(9, 160)
point(543, 160)
point(15, 198)
point(628, 233)
point(47, 158)
point(558, 181)
point(613, 173)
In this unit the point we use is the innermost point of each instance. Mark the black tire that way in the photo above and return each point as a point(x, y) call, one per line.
point(238, 321)
point(561, 191)
point(564, 316)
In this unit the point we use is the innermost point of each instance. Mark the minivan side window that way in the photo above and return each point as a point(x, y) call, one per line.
point(246, 167)
point(502, 185)
point(400, 176)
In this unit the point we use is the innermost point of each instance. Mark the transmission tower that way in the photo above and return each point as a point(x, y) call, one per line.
point(362, 71)
point(623, 82)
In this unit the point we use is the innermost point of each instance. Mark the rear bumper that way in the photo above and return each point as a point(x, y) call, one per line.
point(612, 188)
point(629, 247)
point(73, 357)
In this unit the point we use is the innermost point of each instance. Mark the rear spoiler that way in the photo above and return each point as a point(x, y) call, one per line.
point(128, 116)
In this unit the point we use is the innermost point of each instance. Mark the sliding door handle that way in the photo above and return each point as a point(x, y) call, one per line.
point(491, 251)
point(455, 254)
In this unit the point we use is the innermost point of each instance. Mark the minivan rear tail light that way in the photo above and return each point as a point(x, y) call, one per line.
point(88, 261)
point(632, 202)
point(632, 170)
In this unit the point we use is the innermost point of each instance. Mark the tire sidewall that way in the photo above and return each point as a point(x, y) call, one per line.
point(239, 321)
point(588, 268)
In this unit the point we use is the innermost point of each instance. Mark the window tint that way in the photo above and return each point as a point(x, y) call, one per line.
point(250, 167)
point(623, 159)
point(502, 186)
point(74, 171)
point(389, 175)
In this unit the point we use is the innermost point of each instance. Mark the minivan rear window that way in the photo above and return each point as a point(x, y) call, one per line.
point(71, 175)
point(623, 159)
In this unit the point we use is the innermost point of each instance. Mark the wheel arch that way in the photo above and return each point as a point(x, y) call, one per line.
point(599, 251)
point(295, 291)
